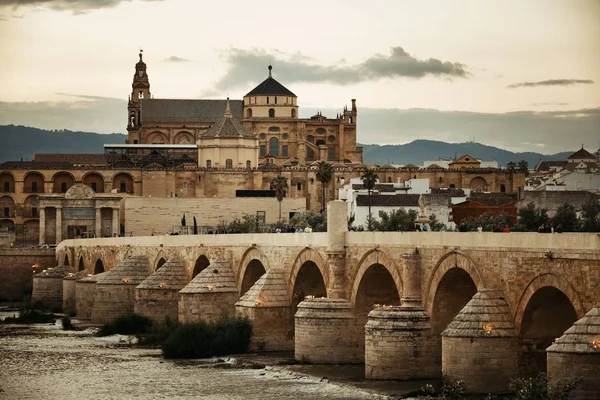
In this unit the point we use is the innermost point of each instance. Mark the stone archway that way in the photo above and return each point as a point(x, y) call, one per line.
point(253, 253)
point(548, 307)
point(308, 254)
point(372, 257)
point(159, 260)
point(66, 261)
point(202, 262)
point(81, 264)
point(253, 271)
point(98, 267)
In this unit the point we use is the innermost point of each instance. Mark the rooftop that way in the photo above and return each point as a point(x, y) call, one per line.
point(270, 87)
point(187, 111)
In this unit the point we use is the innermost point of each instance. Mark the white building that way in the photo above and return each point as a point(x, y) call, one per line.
point(581, 171)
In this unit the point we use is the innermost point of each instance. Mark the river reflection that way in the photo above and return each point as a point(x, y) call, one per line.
point(45, 362)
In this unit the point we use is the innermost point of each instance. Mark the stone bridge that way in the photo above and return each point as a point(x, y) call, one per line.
point(540, 283)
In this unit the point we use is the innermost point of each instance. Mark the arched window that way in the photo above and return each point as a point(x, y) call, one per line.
point(229, 163)
point(293, 113)
point(320, 142)
point(310, 154)
point(310, 139)
point(249, 113)
point(502, 188)
point(274, 146)
point(271, 113)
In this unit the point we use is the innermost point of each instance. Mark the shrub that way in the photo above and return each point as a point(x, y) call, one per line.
point(31, 317)
point(538, 388)
point(158, 333)
point(227, 335)
point(450, 390)
point(128, 324)
point(67, 325)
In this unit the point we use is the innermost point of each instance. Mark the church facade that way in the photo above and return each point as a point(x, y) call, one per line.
point(270, 111)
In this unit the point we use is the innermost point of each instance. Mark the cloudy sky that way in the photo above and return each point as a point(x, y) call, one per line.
point(522, 75)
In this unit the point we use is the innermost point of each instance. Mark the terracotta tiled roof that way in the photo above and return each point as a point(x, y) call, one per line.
point(228, 127)
point(191, 111)
point(388, 200)
point(73, 158)
point(33, 165)
point(546, 165)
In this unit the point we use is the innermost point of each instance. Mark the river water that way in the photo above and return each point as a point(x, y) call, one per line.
point(44, 362)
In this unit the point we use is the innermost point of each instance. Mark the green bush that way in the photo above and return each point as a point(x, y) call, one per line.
point(158, 333)
point(128, 324)
point(228, 335)
point(538, 388)
point(67, 325)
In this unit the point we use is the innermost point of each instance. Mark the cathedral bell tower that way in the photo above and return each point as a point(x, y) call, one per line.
point(140, 89)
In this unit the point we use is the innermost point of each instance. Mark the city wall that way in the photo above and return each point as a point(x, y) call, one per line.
point(16, 270)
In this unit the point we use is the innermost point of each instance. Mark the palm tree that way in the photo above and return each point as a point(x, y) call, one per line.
point(369, 179)
point(324, 175)
point(280, 185)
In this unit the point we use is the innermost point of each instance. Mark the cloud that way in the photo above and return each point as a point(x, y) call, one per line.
point(552, 82)
point(76, 6)
point(175, 59)
point(246, 65)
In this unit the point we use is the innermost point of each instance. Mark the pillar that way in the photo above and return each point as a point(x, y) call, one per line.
point(115, 222)
point(337, 227)
point(411, 279)
point(42, 225)
point(58, 224)
point(98, 230)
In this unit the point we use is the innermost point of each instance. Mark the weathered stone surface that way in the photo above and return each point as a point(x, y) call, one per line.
point(324, 332)
point(69, 305)
point(16, 270)
point(577, 354)
point(399, 344)
point(115, 290)
point(48, 287)
point(157, 297)
point(211, 294)
point(85, 293)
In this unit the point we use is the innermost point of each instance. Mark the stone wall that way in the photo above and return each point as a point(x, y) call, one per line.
point(16, 272)
point(160, 215)
point(551, 200)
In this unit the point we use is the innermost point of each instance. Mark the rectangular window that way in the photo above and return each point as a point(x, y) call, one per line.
point(34, 212)
point(34, 187)
point(263, 150)
point(267, 99)
point(229, 163)
point(275, 99)
point(94, 188)
point(63, 187)
point(7, 186)
point(331, 153)
point(284, 150)
point(122, 187)
point(298, 186)
point(261, 217)
point(199, 178)
point(208, 164)
point(255, 100)
point(6, 211)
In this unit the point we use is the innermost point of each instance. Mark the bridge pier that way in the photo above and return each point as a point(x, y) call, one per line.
point(85, 293)
point(324, 332)
point(399, 343)
point(211, 294)
point(337, 226)
point(267, 304)
point(481, 345)
point(577, 354)
point(69, 305)
point(48, 287)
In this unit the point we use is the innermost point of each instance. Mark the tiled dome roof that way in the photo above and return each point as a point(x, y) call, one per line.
point(131, 271)
point(228, 127)
point(485, 315)
point(582, 337)
point(171, 276)
point(218, 277)
point(269, 291)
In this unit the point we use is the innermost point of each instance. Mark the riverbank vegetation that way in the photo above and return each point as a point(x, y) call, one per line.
point(32, 313)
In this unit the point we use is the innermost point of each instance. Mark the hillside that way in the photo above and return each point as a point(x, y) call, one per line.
point(21, 141)
point(420, 150)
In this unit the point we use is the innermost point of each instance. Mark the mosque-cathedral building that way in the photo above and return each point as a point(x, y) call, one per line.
point(204, 149)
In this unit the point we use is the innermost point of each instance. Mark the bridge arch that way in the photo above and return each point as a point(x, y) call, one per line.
point(248, 270)
point(308, 254)
point(159, 260)
point(66, 261)
point(81, 264)
point(202, 262)
point(540, 282)
point(375, 257)
point(548, 307)
point(98, 267)
point(454, 281)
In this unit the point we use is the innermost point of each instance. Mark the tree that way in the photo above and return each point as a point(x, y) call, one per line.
point(315, 220)
point(531, 217)
point(195, 226)
point(183, 220)
point(488, 221)
point(435, 225)
point(566, 217)
point(395, 220)
point(280, 185)
point(324, 175)
point(523, 166)
point(590, 215)
point(511, 166)
point(369, 179)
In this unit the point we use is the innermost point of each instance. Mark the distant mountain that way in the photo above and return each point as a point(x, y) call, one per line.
point(420, 150)
point(21, 141)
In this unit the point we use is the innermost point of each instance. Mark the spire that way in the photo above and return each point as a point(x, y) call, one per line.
point(228, 110)
point(270, 68)
point(141, 51)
